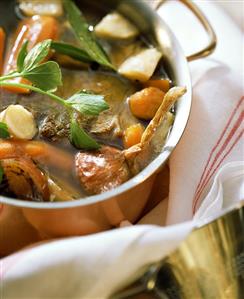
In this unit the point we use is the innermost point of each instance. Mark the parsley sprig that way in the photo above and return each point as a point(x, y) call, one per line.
point(46, 77)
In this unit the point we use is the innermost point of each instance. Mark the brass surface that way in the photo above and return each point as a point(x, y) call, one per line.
point(209, 264)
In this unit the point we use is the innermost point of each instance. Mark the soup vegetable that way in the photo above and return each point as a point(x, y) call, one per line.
point(85, 102)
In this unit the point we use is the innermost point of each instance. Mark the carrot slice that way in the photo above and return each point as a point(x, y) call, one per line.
point(35, 30)
point(133, 135)
point(162, 84)
point(2, 44)
point(145, 103)
point(38, 151)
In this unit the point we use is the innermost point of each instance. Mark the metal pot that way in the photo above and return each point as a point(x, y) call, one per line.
point(107, 210)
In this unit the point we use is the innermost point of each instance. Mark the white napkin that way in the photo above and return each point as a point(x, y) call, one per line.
point(96, 266)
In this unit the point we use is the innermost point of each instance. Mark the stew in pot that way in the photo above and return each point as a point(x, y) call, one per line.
point(86, 103)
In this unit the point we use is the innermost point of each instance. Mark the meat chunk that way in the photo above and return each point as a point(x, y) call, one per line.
point(101, 170)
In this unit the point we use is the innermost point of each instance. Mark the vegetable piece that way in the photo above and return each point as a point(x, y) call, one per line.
point(169, 99)
point(52, 8)
point(86, 38)
point(35, 30)
point(2, 44)
point(115, 26)
point(132, 135)
point(80, 139)
point(40, 152)
point(145, 103)
point(25, 180)
point(141, 66)
point(162, 84)
point(101, 170)
point(20, 122)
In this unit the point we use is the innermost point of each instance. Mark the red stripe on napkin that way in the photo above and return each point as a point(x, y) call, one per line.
point(205, 177)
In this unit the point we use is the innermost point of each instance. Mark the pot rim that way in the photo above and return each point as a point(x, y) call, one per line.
point(154, 166)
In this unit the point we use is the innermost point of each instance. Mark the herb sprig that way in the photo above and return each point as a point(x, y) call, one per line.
point(86, 38)
point(46, 77)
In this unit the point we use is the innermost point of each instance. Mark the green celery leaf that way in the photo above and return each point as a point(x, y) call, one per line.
point(37, 54)
point(72, 51)
point(21, 57)
point(46, 76)
point(86, 38)
point(88, 104)
point(80, 139)
point(4, 133)
point(1, 174)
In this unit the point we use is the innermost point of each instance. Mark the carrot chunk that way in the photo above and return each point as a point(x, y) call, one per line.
point(2, 44)
point(35, 30)
point(145, 103)
point(162, 84)
point(132, 135)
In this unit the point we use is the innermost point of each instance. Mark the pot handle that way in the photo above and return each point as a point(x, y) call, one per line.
point(209, 48)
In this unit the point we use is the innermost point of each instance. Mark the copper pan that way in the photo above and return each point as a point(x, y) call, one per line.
point(107, 210)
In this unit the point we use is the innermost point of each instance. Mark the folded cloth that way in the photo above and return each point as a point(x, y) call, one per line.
point(206, 176)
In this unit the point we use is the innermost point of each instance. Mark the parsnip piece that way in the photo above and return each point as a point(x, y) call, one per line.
point(141, 66)
point(52, 8)
point(115, 26)
point(20, 122)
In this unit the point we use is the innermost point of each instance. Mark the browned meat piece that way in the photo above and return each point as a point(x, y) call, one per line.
point(101, 170)
point(53, 128)
point(106, 123)
point(25, 180)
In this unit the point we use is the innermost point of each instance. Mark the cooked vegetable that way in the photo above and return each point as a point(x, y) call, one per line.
point(25, 180)
point(33, 30)
point(2, 45)
point(163, 84)
point(141, 66)
point(85, 37)
point(145, 103)
point(52, 8)
point(133, 135)
point(20, 122)
point(115, 26)
point(101, 170)
point(38, 151)
point(169, 99)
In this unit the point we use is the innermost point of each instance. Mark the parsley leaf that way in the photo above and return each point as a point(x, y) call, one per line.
point(37, 55)
point(87, 103)
point(86, 38)
point(46, 76)
point(4, 133)
point(21, 57)
point(80, 139)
